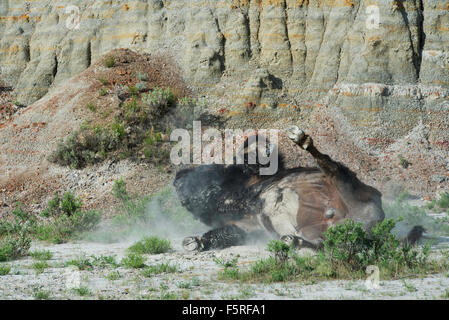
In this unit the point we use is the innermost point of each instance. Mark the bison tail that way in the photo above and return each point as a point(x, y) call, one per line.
point(414, 235)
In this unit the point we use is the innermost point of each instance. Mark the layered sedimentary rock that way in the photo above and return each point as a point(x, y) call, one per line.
point(384, 63)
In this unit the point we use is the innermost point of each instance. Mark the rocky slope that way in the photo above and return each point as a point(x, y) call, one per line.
point(385, 64)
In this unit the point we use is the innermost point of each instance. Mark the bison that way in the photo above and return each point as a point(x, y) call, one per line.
point(296, 205)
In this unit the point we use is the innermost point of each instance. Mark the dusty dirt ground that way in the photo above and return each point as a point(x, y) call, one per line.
point(196, 278)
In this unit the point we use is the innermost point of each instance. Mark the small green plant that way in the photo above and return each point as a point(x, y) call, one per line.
point(104, 261)
point(40, 266)
point(103, 81)
point(41, 255)
point(445, 295)
point(82, 263)
point(102, 92)
point(119, 190)
point(113, 275)
point(85, 147)
point(159, 100)
point(194, 282)
point(109, 62)
point(280, 250)
point(141, 76)
point(141, 86)
point(59, 229)
point(350, 245)
point(151, 245)
point(410, 287)
point(118, 129)
point(13, 247)
point(41, 294)
point(431, 205)
point(4, 269)
point(443, 202)
point(58, 206)
point(184, 285)
point(132, 90)
point(345, 242)
point(132, 260)
point(404, 163)
point(82, 291)
point(91, 106)
point(15, 240)
point(158, 269)
point(231, 270)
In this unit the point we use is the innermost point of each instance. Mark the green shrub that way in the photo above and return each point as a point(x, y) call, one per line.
point(118, 130)
point(63, 228)
point(103, 81)
point(348, 251)
point(15, 240)
point(345, 243)
point(86, 147)
point(159, 100)
point(4, 269)
point(151, 245)
point(280, 250)
point(67, 205)
point(133, 260)
point(119, 190)
point(13, 247)
point(350, 245)
point(109, 62)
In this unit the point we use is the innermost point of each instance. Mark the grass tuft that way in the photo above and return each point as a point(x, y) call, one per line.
point(134, 261)
point(151, 245)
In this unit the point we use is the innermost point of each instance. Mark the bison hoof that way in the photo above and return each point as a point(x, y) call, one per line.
point(299, 137)
point(291, 241)
point(192, 244)
point(295, 134)
point(288, 240)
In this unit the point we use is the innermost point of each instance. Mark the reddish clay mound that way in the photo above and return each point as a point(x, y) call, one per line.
point(31, 135)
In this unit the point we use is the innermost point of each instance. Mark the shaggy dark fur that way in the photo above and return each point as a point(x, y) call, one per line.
point(225, 197)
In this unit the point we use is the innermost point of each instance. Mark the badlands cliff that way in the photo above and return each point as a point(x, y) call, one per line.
point(384, 63)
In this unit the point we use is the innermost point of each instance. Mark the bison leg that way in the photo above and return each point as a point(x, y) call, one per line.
point(305, 142)
point(215, 239)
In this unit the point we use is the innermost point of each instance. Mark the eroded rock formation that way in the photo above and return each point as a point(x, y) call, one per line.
point(384, 63)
